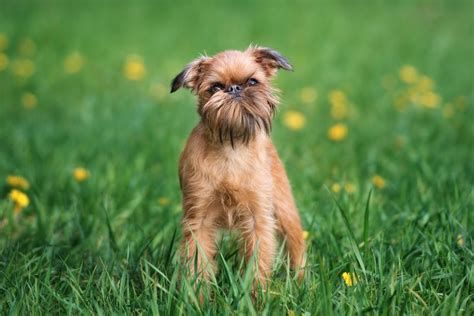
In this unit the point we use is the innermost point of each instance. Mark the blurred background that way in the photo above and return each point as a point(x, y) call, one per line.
point(380, 99)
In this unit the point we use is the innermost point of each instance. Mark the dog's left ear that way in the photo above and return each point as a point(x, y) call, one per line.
point(270, 59)
point(190, 76)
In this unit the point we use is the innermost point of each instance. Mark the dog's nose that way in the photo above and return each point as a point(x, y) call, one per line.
point(234, 89)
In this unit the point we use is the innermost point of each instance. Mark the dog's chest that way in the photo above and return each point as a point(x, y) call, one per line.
point(242, 175)
point(235, 167)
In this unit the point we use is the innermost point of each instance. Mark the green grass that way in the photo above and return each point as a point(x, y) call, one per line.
point(107, 245)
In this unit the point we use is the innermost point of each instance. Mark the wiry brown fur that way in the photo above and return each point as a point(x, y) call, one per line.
point(230, 173)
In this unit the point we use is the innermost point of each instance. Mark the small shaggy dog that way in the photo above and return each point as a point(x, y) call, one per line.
point(230, 173)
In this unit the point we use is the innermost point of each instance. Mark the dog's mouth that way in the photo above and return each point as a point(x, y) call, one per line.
point(237, 119)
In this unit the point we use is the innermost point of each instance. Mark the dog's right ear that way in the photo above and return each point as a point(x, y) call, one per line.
point(190, 76)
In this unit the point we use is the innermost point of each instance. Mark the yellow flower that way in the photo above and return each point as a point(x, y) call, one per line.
point(3, 61)
point(336, 187)
point(20, 200)
point(413, 95)
point(163, 201)
point(308, 95)
point(29, 100)
point(305, 234)
point(18, 182)
point(337, 132)
point(378, 181)
point(80, 174)
point(337, 96)
point(291, 313)
point(23, 67)
point(350, 187)
point(27, 46)
point(73, 63)
point(348, 279)
point(339, 104)
point(460, 240)
point(408, 74)
point(429, 99)
point(425, 84)
point(294, 120)
point(3, 41)
point(448, 110)
point(134, 69)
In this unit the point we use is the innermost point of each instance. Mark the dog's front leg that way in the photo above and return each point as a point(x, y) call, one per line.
point(199, 238)
point(258, 234)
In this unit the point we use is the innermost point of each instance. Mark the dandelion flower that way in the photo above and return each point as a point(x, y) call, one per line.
point(163, 201)
point(3, 61)
point(339, 104)
point(27, 47)
point(80, 174)
point(18, 182)
point(378, 181)
point(308, 95)
point(337, 132)
point(429, 99)
point(413, 95)
point(336, 187)
point(460, 240)
point(425, 84)
point(73, 63)
point(23, 67)
point(20, 200)
point(291, 313)
point(408, 74)
point(350, 187)
point(29, 100)
point(294, 120)
point(305, 234)
point(349, 280)
point(337, 96)
point(134, 68)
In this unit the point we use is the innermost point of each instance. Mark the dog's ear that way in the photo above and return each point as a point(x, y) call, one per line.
point(270, 59)
point(190, 76)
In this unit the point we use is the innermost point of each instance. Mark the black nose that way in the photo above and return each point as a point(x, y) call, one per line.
point(234, 89)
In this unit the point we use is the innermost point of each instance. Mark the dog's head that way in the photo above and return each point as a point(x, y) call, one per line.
point(236, 100)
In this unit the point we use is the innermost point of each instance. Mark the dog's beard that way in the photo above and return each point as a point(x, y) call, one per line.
point(239, 119)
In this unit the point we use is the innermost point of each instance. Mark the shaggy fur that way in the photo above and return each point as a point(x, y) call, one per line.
point(230, 174)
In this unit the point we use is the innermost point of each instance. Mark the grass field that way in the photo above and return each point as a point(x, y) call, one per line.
point(380, 104)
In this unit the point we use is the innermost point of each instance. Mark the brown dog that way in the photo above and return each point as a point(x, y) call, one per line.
point(230, 173)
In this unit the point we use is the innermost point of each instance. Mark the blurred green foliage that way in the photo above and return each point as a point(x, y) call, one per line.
point(395, 80)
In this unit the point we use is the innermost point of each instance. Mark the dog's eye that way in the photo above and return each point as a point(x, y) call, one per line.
point(252, 82)
point(216, 87)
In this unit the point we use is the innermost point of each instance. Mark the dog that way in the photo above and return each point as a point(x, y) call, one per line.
point(230, 174)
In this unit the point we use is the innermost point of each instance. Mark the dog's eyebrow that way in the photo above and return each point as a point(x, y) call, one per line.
point(249, 77)
point(216, 83)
